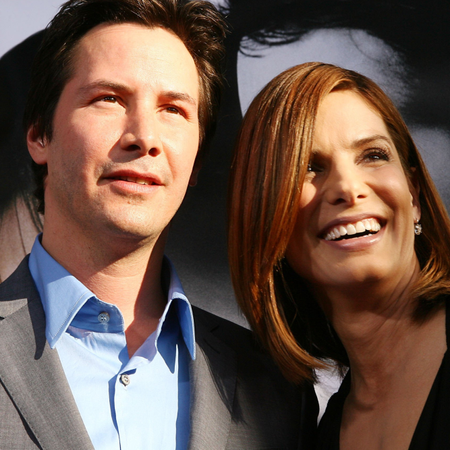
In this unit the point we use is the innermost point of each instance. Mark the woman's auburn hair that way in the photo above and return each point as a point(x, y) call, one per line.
point(270, 161)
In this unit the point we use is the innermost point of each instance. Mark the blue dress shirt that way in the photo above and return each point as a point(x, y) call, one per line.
point(126, 403)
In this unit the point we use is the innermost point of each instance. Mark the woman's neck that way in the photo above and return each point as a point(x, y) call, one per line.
point(376, 325)
point(392, 373)
point(393, 348)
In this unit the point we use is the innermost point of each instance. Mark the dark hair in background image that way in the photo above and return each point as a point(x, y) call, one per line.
point(198, 25)
point(418, 30)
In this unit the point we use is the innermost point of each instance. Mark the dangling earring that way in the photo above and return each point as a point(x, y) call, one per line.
point(417, 228)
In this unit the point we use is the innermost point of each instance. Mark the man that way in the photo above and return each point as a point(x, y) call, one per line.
point(97, 340)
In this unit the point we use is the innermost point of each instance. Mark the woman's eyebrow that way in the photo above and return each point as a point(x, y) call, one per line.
point(369, 139)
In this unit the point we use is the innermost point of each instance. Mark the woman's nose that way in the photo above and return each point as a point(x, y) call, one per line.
point(345, 184)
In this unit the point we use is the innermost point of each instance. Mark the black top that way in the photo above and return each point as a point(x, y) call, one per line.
point(433, 429)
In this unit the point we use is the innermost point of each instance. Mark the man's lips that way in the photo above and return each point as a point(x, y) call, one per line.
point(133, 177)
point(144, 181)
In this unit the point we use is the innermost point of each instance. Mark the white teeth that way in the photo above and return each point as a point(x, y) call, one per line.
point(342, 231)
point(360, 228)
point(351, 229)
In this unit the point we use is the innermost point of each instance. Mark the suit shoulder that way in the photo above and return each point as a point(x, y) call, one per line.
point(276, 413)
point(241, 340)
point(17, 290)
point(221, 327)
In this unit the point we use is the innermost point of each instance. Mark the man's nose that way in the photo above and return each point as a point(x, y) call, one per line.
point(142, 132)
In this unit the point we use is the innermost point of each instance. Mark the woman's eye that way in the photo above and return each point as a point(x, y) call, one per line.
point(377, 155)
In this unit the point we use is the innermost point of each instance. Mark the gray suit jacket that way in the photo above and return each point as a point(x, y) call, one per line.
point(239, 400)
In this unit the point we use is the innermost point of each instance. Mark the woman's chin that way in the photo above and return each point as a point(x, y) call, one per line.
point(351, 278)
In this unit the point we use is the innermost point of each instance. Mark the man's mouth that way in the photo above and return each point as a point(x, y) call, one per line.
point(136, 180)
point(365, 227)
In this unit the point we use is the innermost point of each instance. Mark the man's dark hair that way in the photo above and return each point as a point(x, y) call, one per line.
point(197, 24)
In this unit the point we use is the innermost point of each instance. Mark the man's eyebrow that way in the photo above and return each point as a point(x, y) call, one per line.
point(369, 139)
point(174, 95)
point(99, 84)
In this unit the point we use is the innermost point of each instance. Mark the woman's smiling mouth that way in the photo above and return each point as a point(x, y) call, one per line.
point(365, 227)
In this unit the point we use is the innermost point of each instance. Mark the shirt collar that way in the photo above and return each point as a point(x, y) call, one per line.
point(177, 297)
point(63, 296)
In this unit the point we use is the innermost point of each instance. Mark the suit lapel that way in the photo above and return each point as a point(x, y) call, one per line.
point(31, 372)
point(213, 383)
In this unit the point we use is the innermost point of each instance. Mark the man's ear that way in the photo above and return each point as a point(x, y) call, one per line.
point(36, 146)
point(194, 174)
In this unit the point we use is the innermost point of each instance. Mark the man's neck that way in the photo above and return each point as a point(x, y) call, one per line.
point(128, 276)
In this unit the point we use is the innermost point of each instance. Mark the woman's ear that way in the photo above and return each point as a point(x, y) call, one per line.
point(36, 146)
point(414, 188)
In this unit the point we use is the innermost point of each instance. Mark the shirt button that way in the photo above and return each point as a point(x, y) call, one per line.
point(103, 317)
point(125, 379)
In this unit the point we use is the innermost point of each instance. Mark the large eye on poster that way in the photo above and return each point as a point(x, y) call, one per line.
point(401, 45)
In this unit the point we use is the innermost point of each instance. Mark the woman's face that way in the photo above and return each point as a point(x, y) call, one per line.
point(356, 219)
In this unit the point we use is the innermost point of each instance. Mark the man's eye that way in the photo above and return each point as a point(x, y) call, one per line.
point(173, 110)
point(109, 99)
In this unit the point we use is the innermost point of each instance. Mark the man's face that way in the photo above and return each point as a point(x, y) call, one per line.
point(126, 134)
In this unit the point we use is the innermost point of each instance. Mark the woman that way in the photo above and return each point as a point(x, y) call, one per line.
point(328, 198)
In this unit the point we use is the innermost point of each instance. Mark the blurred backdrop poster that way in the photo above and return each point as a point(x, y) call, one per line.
point(401, 45)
